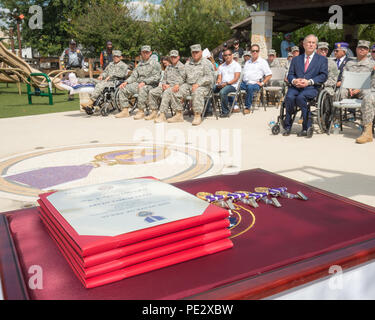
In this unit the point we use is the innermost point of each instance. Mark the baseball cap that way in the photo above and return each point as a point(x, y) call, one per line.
point(196, 47)
point(146, 48)
point(364, 43)
point(323, 45)
point(117, 53)
point(174, 53)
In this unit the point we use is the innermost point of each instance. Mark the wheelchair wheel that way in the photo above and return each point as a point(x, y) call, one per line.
point(89, 111)
point(324, 110)
point(116, 99)
point(281, 118)
point(104, 111)
point(276, 129)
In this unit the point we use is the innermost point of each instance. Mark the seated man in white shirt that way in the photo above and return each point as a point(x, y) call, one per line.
point(228, 77)
point(253, 72)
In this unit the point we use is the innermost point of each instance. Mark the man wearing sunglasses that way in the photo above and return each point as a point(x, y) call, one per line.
point(256, 73)
point(341, 58)
point(227, 81)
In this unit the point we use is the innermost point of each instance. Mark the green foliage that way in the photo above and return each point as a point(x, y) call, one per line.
point(367, 32)
point(112, 21)
point(54, 36)
point(177, 24)
point(322, 31)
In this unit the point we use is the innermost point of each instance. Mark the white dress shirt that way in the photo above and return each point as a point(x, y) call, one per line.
point(255, 71)
point(341, 60)
point(310, 58)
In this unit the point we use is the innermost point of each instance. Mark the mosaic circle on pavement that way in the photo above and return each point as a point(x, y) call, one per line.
point(31, 174)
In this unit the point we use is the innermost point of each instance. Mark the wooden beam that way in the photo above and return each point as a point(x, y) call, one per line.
point(276, 5)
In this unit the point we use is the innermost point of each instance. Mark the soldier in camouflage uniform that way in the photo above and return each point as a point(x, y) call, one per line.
point(246, 57)
point(368, 114)
point(362, 64)
point(333, 72)
point(145, 77)
point(272, 61)
point(174, 77)
point(116, 70)
point(199, 81)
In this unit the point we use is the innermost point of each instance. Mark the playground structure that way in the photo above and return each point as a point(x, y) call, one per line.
point(14, 69)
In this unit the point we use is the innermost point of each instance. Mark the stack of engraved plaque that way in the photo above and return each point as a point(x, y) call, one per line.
point(116, 230)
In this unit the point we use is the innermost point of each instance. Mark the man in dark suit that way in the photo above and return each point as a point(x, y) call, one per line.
point(306, 72)
point(341, 58)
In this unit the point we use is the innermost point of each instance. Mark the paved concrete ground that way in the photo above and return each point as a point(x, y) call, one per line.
point(334, 163)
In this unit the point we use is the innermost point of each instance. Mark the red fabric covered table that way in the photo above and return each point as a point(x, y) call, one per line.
point(274, 249)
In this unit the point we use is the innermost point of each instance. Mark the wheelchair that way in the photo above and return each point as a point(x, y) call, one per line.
point(107, 102)
point(320, 109)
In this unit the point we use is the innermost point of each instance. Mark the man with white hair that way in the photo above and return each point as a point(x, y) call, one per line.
point(306, 71)
point(341, 58)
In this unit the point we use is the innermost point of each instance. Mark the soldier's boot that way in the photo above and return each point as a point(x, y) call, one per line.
point(161, 118)
point(178, 117)
point(152, 115)
point(123, 114)
point(140, 115)
point(197, 119)
point(366, 135)
point(89, 104)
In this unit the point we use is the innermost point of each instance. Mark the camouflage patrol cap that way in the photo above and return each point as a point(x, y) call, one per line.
point(295, 48)
point(236, 55)
point(146, 48)
point(323, 45)
point(247, 53)
point(174, 53)
point(272, 52)
point(196, 47)
point(363, 43)
point(117, 53)
point(290, 54)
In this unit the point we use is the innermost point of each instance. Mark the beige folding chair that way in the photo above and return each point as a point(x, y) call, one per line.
point(351, 80)
point(278, 75)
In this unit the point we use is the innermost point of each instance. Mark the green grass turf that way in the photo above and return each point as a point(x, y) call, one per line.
point(14, 105)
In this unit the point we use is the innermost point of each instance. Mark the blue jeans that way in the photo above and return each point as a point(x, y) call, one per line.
point(250, 89)
point(224, 97)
